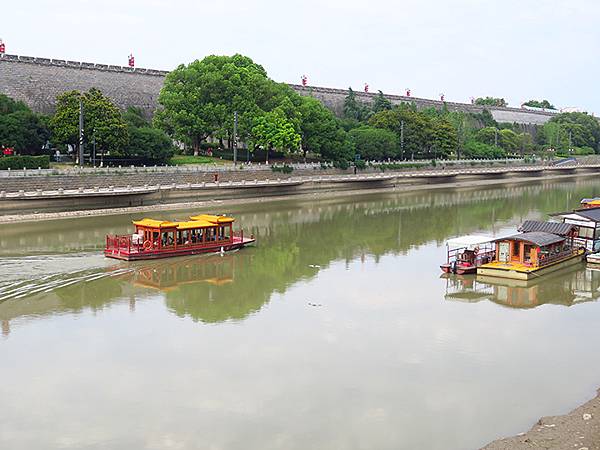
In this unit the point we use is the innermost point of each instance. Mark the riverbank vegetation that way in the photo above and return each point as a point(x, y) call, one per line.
point(202, 102)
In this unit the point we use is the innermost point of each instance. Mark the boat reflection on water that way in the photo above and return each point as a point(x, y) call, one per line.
point(567, 287)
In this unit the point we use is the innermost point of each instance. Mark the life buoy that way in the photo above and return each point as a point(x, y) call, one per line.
point(147, 245)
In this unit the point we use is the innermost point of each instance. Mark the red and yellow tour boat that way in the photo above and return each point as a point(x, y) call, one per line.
point(160, 239)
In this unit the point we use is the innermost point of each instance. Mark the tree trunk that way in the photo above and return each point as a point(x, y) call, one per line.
point(196, 144)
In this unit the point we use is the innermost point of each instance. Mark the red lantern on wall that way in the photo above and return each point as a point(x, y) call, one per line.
point(304, 80)
point(442, 97)
point(366, 88)
point(407, 92)
point(131, 60)
point(2, 47)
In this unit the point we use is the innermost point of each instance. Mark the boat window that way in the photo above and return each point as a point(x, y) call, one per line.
point(168, 238)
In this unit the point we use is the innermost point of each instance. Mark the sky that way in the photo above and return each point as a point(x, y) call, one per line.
point(515, 49)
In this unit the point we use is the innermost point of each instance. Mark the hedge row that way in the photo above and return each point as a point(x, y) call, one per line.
point(27, 162)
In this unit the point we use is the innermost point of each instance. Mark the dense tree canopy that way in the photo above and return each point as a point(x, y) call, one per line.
point(490, 101)
point(374, 143)
point(544, 104)
point(145, 142)
point(103, 121)
point(577, 132)
point(22, 129)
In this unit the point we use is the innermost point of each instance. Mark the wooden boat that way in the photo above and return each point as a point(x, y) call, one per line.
point(593, 260)
point(533, 252)
point(587, 203)
point(466, 253)
point(161, 239)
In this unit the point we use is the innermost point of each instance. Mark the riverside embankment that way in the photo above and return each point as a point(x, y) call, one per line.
point(41, 191)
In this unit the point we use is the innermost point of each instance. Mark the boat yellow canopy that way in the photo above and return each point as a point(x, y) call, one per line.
point(213, 219)
point(200, 221)
point(153, 223)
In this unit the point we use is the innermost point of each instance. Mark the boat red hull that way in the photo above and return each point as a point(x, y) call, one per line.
point(459, 270)
point(156, 254)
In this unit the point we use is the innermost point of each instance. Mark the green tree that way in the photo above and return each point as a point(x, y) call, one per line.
point(509, 140)
point(318, 126)
point(583, 128)
point(150, 144)
point(491, 101)
point(102, 121)
point(444, 138)
point(340, 149)
point(146, 142)
point(273, 130)
point(413, 129)
point(22, 129)
point(381, 103)
point(374, 143)
point(476, 149)
point(353, 108)
point(545, 104)
point(198, 100)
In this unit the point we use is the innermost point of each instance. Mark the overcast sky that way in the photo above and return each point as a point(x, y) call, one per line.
point(516, 49)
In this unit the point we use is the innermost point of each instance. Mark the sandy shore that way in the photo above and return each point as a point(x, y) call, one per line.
point(578, 430)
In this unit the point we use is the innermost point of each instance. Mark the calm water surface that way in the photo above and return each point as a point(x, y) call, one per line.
point(335, 332)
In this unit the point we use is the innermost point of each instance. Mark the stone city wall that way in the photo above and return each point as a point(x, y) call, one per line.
point(37, 82)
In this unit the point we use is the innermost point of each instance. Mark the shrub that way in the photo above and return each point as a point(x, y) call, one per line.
point(27, 162)
point(360, 164)
point(283, 169)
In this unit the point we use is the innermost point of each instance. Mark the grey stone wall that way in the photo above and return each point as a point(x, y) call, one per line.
point(37, 82)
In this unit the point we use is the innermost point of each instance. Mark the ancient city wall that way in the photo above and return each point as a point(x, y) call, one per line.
point(37, 82)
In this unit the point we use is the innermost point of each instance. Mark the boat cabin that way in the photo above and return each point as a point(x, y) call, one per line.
point(532, 249)
point(199, 230)
point(540, 247)
point(587, 227)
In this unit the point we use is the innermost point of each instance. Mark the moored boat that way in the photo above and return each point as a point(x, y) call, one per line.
point(161, 239)
point(594, 260)
point(466, 253)
point(539, 248)
point(588, 203)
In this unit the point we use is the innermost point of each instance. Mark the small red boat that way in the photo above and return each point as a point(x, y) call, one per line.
point(466, 253)
point(161, 239)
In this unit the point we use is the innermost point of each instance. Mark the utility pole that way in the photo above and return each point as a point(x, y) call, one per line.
point(94, 147)
point(235, 143)
point(80, 132)
point(496, 137)
point(402, 138)
point(570, 141)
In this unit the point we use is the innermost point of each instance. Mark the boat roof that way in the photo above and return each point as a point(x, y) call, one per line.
point(469, 240)
point(153, 223)
point(592, 214)
point(199, 221)
point(560, 228)
point(590, 201)
point(539, 238)
point(213, 218)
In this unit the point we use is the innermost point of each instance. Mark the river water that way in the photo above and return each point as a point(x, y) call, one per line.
point(336, 331)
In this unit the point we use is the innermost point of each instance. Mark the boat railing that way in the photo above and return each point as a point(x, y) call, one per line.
point(547, 260)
